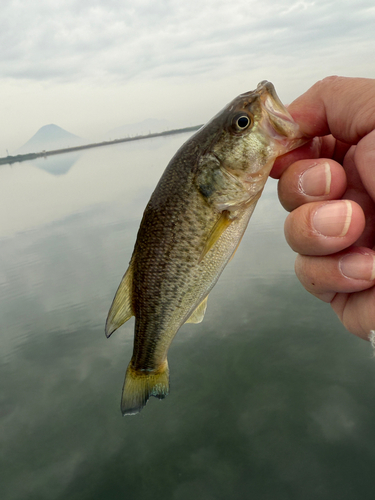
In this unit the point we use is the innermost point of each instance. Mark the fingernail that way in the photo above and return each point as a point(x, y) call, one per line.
point(358, 266)
point(333, 219)
point(316, 181)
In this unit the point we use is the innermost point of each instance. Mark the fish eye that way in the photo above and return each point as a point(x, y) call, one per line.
point(242, 122)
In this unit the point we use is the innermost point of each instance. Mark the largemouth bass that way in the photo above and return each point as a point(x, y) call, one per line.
point(190, 229)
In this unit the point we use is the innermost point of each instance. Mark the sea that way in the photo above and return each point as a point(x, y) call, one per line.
point(271, 398)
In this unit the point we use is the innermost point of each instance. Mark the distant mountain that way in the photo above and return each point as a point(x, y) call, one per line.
point(48, 138)
point(150, 125)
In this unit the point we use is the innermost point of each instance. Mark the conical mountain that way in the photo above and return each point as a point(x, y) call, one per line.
point(48, 138)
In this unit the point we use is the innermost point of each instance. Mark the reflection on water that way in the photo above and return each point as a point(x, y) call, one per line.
point(58, 164)
point(270, 398)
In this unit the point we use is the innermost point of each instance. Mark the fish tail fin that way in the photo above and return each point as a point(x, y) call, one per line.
point(140, 385)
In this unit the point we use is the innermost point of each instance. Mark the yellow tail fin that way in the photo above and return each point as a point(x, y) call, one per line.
point(140, 385)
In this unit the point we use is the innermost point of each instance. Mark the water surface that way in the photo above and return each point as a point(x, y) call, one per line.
point(270, 397)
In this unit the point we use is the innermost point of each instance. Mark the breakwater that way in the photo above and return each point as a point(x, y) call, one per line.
point(33, 156)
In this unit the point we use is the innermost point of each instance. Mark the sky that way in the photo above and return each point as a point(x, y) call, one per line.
point(90, 66)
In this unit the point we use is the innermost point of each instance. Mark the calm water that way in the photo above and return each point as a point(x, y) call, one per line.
point(270, 397)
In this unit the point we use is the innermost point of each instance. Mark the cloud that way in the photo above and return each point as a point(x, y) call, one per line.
point(90, 66)
point(73, 40)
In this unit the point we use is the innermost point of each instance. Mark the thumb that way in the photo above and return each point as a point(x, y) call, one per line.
point(343, 107)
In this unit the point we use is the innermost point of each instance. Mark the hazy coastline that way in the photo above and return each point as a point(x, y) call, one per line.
point(10, 159)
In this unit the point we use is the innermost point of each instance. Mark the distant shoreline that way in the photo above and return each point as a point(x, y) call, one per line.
point(32, 156)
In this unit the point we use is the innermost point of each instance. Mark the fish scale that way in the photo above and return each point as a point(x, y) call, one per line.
point(191, 228)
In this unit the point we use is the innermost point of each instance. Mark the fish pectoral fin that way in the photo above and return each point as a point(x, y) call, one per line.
point(218, 229)
point(140, 385)
point(121, 309)
point(198, 313)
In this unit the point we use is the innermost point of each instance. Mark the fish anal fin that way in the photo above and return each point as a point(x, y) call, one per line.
point(140, 385)
point(221, 225)
point(121, 309)
point(198, 313)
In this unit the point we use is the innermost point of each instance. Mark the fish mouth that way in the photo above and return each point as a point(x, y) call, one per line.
point(277, 121)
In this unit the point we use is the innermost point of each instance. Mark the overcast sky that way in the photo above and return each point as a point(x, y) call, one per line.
point(89, 66)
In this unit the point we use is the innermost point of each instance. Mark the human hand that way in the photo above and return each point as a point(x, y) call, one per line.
point(328, 186)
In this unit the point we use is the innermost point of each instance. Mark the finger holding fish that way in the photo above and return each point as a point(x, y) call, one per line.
point(323, 228)
point(349, 271)
point(311, 180)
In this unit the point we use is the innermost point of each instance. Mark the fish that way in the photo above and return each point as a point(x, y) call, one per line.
point(191, 228)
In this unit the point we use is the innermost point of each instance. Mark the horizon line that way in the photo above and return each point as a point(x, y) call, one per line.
point(32, 156)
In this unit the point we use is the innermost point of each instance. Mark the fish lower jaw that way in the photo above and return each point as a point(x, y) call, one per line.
point(294, 143)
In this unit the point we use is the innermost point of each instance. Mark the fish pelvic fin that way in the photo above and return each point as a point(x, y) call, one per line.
point(121, 309)
point(140, 385)
point(218, 229)
point(198, 313)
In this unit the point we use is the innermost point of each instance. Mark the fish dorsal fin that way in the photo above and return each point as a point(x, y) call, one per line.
point(121, 308)
point(218, 229)
point(198, 313)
